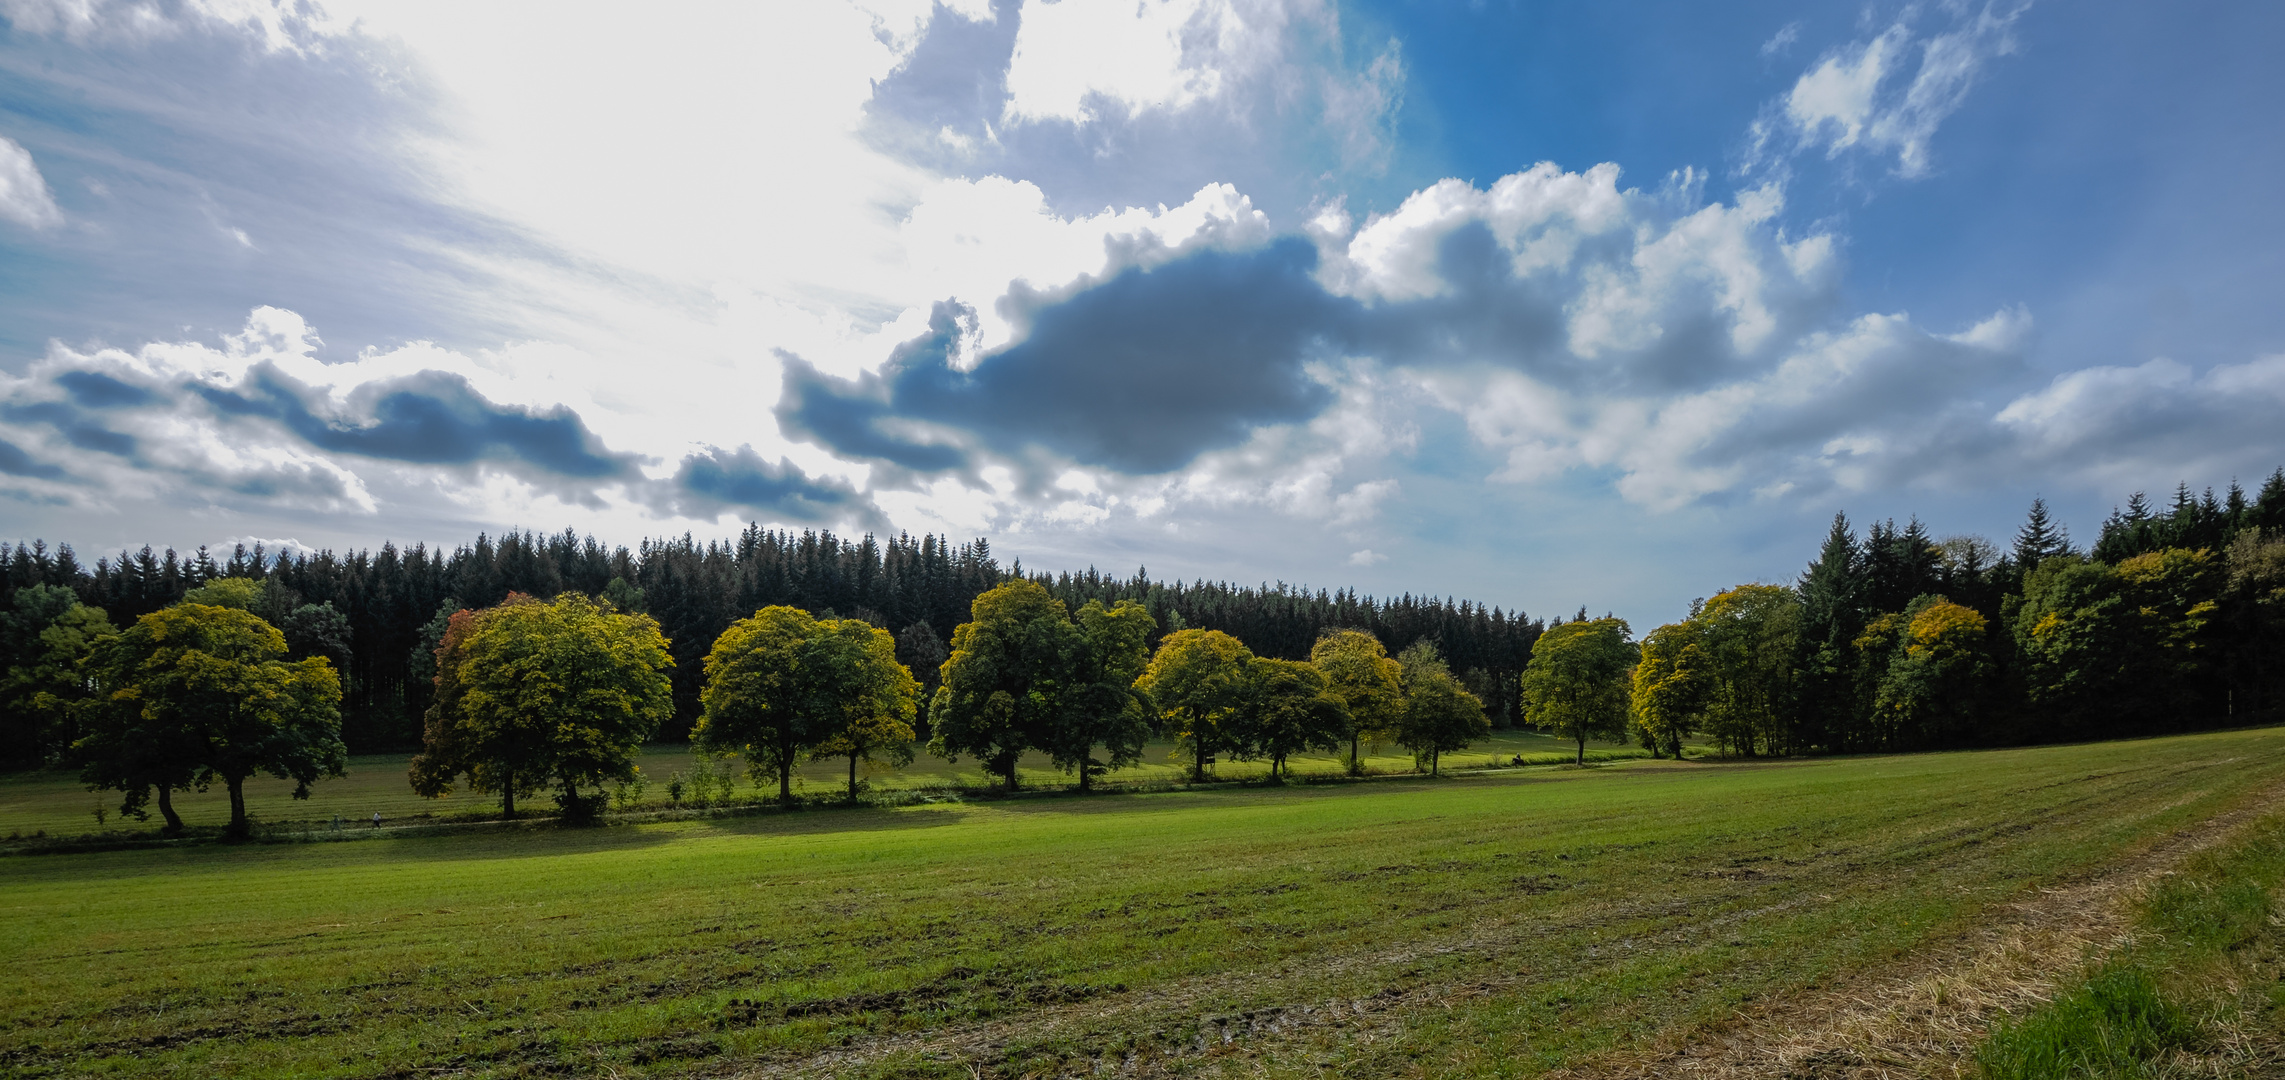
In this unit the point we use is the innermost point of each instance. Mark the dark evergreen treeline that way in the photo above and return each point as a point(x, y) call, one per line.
point(389, 604)
point(1897, 640)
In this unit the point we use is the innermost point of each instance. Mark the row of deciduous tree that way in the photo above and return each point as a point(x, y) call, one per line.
point(559, 695)
point(378, 614)
point(532, 695)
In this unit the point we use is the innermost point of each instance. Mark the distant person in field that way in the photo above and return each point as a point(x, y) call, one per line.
point(376, 819)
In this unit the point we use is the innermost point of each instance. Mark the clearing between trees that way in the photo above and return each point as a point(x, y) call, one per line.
point(1826, 917)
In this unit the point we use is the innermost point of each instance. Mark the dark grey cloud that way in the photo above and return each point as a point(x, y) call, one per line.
point(76, 429)
point(709, 483)
point(1140, 373)
point(432, 418)
point(1144, 371)
point(99, 391)
point(15, 462)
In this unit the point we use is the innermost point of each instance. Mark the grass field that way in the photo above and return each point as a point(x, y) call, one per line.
point(54, 803)
point(1499, 924)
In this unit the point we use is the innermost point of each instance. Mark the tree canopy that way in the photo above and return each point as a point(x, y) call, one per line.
point(1101, 706)
point(1578, 683)
point(535, 693)
point(195, 693)
point(781, 685)
point(1439, 715)
point(1004, 684)
point(1289, 707)
point(1369, 682)
point(1198, 682)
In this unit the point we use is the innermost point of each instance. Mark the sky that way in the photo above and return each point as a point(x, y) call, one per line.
point(1540, 305)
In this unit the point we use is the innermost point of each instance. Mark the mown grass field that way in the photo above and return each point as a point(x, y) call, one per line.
point(1498, 924)
point(54, 803)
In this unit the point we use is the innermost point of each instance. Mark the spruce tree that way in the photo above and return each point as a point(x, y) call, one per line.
point(2269, 506)
point(1831, 618)
point(2041, 538)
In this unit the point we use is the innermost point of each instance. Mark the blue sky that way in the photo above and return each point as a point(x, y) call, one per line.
point(1538, 304)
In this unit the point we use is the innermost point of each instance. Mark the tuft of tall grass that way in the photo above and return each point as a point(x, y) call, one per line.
point(2222, 908)
point(2108, 1027)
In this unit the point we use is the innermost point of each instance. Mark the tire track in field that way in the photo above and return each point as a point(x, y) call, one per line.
point(1925, 1018)
point(1884, 1023)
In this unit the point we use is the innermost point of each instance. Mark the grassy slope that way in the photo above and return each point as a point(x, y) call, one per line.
point(1494, 925)
point(55, 803)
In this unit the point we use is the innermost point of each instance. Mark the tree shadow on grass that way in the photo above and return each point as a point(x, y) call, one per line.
point(1226, 794)
point(475, 842)
point(547, 839)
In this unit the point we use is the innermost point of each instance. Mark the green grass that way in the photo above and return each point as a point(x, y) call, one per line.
point(2108, 1025)
point(1498, 924)
point(2203, 979)
point(55, 804)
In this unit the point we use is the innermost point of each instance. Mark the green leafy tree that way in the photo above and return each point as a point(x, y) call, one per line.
point(1197, 681)
point(623, 595)
point(2114, 648)
point(194, 693)
point(1290, 708)
point(1369, 682)
point(1101, 705)
point(1751, 638)
point(310, 629)
point(923, 652)
point(1580, 680)
point(1005, 684)
point(2256, 561)
point(868, 697)
point(43, 644)
point(1935, 666)
point(241, 593)
point(770, 695)
point(1439, 715)
point(560, 692)
point(1670, 684)
point(318, 630)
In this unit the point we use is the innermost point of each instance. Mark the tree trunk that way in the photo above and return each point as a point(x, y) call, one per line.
point(238, 825)
point(852, 777)
point(1086, 763)
point(1436, 763)
point(1355, 768)
point(1012, 781)
point(785, 781)
point(508, 794)
point(167, 810)
point(1582, 747)
point(1198, 767)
